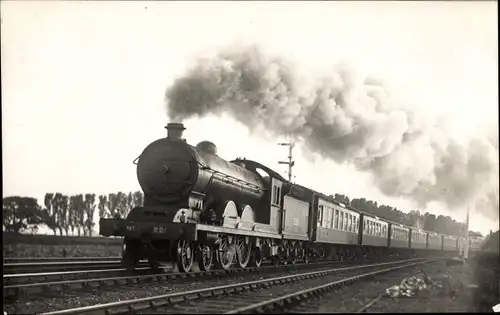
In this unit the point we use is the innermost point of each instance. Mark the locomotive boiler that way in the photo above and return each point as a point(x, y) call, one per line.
point(175, 175)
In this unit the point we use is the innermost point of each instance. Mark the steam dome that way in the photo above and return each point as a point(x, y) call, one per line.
point(207, 146)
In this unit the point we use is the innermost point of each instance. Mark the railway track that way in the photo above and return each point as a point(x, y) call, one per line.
point(56, 259)
point(59, 266)
point(41, 285)
point(266, 295)
point(47, 277)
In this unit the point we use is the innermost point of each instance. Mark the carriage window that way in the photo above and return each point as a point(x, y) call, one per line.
point(349, 222)
point(329, 214)
point(354, 224)
point(320, 214)
point(341, 224)
point(332, 217)
point(336, 218)
point(345, 221)
point(325, 216)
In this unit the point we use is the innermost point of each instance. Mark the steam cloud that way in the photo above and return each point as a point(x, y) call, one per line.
point(346, 119)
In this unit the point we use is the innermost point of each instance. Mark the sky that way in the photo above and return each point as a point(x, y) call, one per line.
point(83, 83)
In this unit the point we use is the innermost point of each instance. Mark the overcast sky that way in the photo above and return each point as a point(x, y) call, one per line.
point(83, 84)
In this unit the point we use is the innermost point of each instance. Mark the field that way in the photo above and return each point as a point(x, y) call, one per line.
point(20, 245)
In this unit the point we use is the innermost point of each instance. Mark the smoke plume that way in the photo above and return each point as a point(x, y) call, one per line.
point(344, 118)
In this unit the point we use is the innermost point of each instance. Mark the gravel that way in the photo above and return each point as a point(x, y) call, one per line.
point(453, 297)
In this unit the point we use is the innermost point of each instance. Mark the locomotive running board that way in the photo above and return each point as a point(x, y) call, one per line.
point(219, 229)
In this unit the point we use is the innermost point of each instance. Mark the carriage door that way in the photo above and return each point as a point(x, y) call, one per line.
point(276, 214)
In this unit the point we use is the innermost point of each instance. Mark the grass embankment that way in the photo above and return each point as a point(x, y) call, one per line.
point(21, 245)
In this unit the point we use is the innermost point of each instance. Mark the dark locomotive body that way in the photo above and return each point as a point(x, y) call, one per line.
point(174, 175)
point(198, 204)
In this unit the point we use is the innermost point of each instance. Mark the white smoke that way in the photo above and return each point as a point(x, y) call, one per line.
point(346, 118)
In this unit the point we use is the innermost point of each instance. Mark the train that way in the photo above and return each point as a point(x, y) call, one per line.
point(200, 208)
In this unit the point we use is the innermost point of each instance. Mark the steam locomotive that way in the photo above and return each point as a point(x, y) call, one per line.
point(200, 207)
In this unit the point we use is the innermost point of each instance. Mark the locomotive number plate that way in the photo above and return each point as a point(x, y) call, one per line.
point(159, 229)
point(130, 228)
point(295, 221)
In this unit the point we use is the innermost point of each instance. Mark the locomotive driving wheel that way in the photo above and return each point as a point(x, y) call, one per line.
point(184, 256)
point(205, 257)
point(225, 254)
point(243, 251)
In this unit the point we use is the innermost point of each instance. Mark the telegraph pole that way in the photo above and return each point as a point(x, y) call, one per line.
point(467, 240)
point(290, 162)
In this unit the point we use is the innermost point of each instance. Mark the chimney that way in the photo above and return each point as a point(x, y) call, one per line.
point(175, 130)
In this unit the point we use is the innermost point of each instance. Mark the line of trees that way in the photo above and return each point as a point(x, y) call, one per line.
point(64, 214)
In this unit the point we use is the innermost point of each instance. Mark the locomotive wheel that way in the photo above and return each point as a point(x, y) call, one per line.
point(256, 259)
point(225, 254)
point(205, 257)
point(243, 252)
point(184, 256)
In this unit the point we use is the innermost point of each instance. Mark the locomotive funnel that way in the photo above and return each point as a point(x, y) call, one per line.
point(175, 130)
